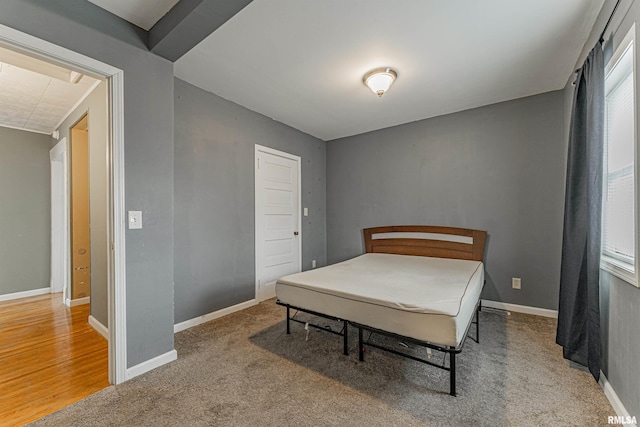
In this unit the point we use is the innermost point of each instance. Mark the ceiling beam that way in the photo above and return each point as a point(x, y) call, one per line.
point(188, 23)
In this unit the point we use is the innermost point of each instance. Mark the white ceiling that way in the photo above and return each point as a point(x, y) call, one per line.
point(302, 62)
point(34, 101)
point(143, 13)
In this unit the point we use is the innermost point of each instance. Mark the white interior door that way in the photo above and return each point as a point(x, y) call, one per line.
point(278, 237)
point(59, 219)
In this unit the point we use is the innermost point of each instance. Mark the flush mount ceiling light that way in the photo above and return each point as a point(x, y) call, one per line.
point(380, 80)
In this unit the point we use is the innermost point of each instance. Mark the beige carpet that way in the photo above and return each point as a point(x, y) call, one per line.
point(243, 370)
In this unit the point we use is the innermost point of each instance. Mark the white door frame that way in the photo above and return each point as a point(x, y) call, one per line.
point(59, 159)
point(43, 49)
point(298, 160)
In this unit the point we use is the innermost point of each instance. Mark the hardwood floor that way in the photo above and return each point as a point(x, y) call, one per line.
point(49, 358)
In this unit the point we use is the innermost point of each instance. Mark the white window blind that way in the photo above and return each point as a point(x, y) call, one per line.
point(618, 213)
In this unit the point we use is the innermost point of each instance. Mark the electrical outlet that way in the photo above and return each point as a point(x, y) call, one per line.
point(516, 283)
point(313, 264)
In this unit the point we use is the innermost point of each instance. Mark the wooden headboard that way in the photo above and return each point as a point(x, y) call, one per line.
point(426, 240)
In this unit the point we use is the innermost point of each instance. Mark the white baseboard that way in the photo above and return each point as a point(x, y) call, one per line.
point(99, 327)
point(520, 308)
point(77, 301)
point(612, 396)
point(25, 294)
point(211, 316)
point(151, 364)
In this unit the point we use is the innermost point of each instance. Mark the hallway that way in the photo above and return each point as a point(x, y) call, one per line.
point(49, 357)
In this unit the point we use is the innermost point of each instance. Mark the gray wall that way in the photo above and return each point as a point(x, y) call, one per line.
point(95, 105)
point(25, 211)
point(619, 301)
point(148, 131)
point(214, 198)
point(620, 313)
point(497, 168)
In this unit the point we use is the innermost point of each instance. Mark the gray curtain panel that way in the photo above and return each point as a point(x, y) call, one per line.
point(579, 307)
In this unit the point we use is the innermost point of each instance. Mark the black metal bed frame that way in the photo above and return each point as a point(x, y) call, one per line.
point(452, 351)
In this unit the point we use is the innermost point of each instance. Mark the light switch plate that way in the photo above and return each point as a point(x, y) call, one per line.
point(306, 211)
point(135, 220)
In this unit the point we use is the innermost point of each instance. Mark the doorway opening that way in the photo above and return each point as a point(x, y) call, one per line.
point(115, 249)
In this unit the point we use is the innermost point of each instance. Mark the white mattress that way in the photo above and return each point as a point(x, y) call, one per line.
point(429, 299)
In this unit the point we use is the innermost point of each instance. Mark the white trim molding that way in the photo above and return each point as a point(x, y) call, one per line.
point(213, 315)
point(77, 301)
point(117, 316)
point(151, 364)
point(99, 327)
point(48, 51)
point(612, 396)
point(25, 294)
point(28, 130)
point(520, 308)
point(621, 266)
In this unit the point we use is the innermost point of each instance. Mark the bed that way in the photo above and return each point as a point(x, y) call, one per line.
point(420, 284)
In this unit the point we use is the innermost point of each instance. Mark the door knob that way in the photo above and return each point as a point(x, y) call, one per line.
point(295, 233)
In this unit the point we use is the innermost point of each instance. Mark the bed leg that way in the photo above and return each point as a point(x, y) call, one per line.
point(360, 346)
point(478, 322)
point(288, 321)
point(345, 331)
point(452, 374)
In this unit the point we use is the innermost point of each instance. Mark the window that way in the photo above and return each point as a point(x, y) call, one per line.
point(619, 222)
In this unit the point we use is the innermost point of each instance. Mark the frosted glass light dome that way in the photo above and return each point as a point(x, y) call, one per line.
point(380, 80)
